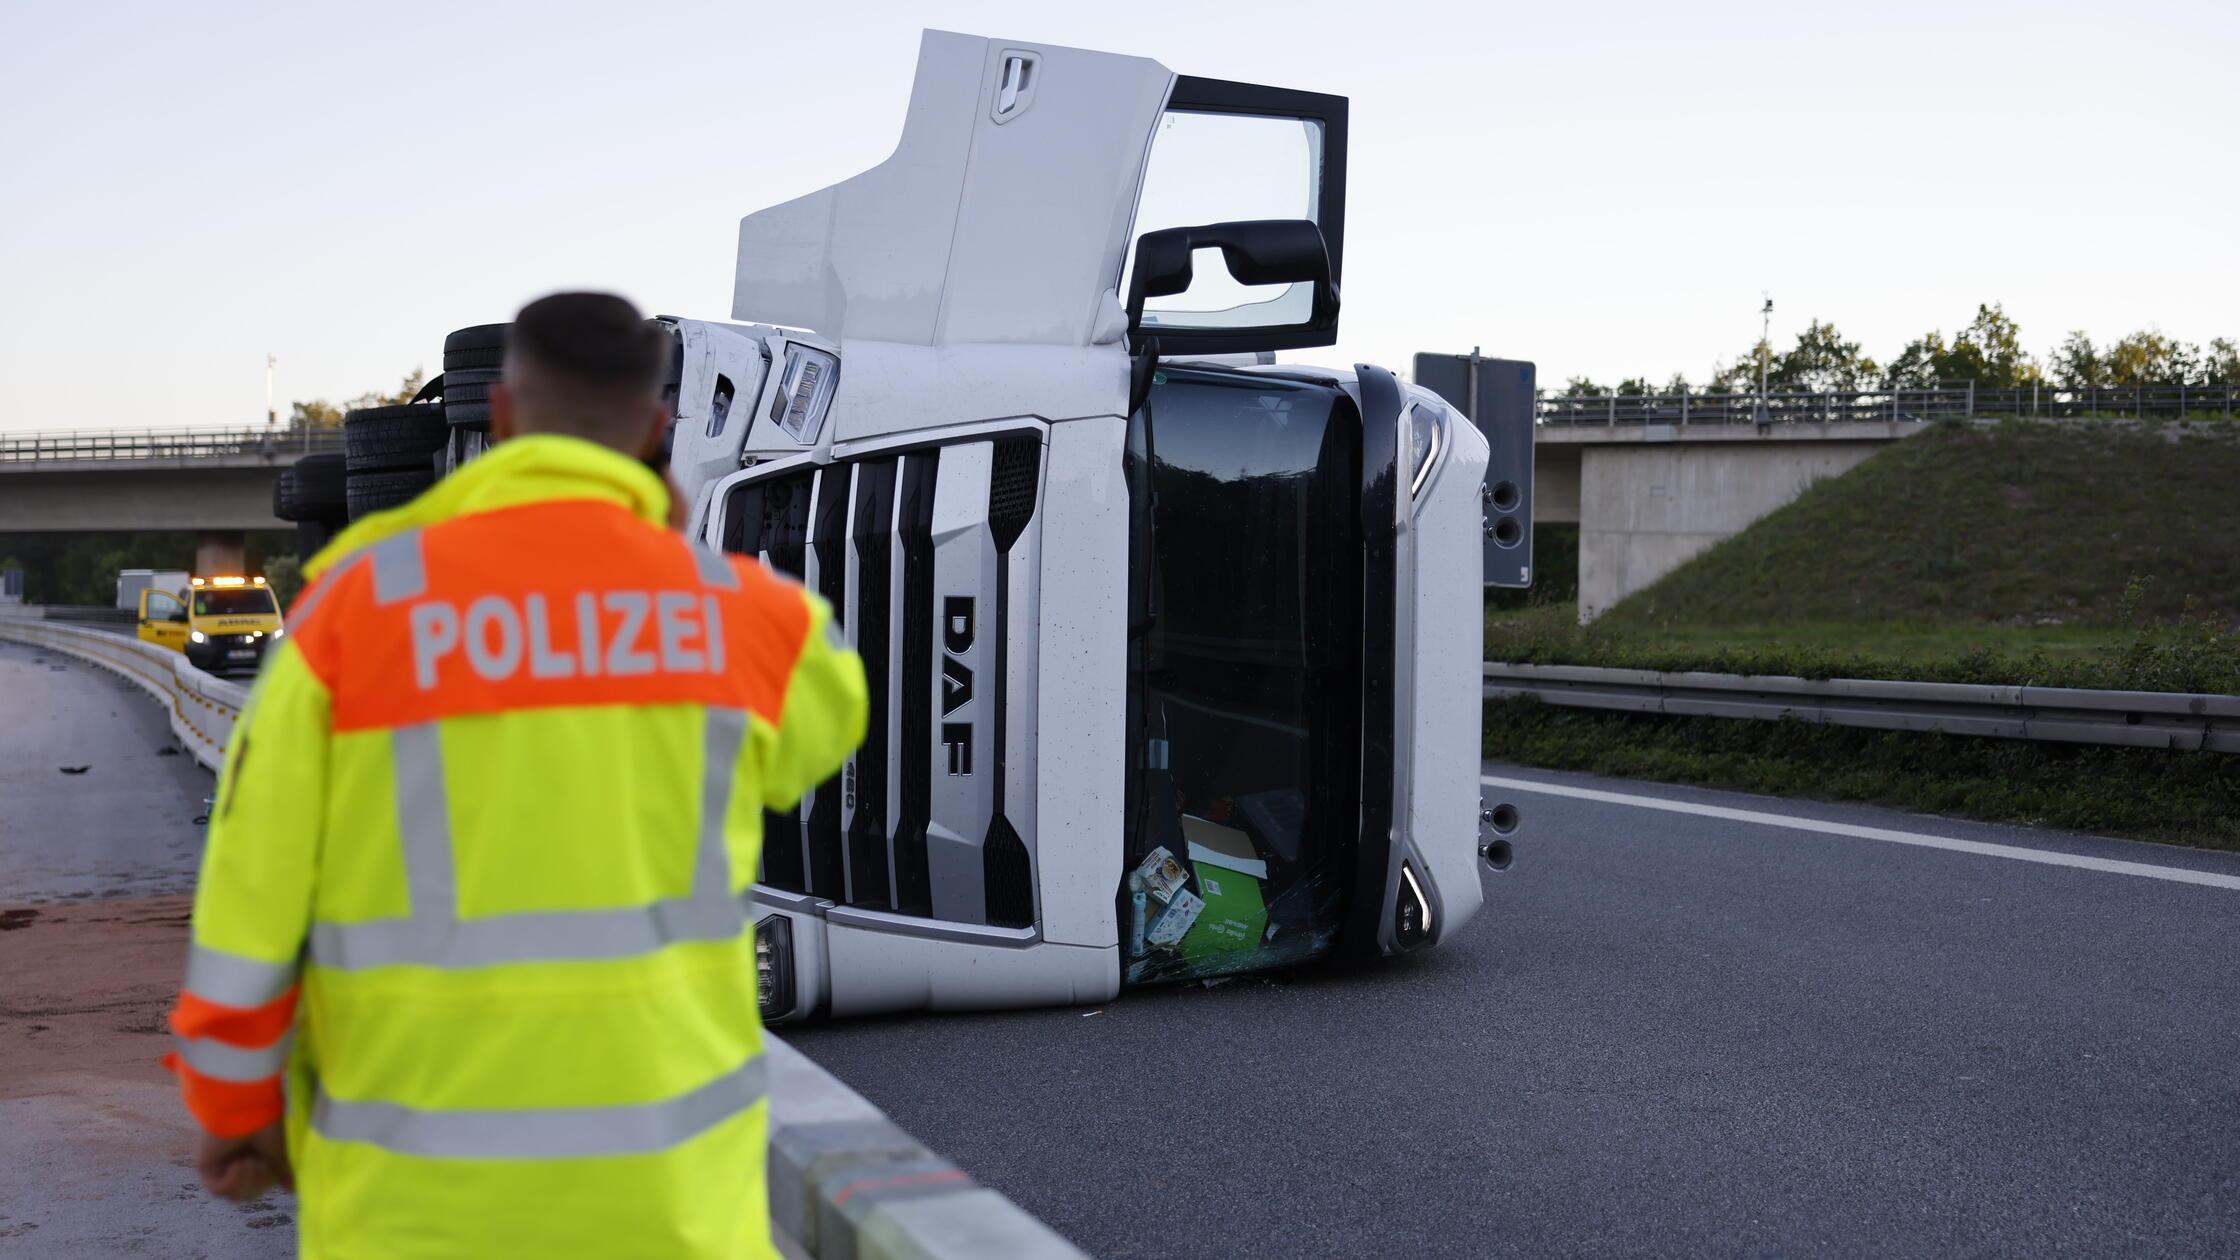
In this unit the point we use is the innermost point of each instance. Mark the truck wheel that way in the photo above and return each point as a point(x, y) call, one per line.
point(376, 491)
point(380, 438)
point(284, 495)
point(319, 488)
point(473, 359)
point(310, 537)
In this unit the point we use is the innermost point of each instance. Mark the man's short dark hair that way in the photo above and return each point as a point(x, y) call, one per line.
point(594, 340)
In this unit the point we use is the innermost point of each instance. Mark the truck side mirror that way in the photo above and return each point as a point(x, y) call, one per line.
point(1257, 252)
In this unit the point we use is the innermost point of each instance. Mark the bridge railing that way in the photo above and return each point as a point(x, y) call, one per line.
point(1836, 407)
point(173, 445)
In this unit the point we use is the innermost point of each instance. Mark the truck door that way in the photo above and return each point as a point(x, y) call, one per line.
point(163, 619)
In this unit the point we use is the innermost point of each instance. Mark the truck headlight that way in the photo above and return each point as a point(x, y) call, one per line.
point(804, 392)
point(773, 966)
point(196, 636)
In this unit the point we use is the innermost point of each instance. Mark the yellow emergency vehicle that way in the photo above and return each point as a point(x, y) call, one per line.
point(221, 623)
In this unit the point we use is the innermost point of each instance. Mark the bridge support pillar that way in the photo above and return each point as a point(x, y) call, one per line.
point(1646, 509)
point(221, 551)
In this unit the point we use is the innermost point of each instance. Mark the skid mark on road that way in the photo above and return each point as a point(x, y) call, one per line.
point(2106, 866)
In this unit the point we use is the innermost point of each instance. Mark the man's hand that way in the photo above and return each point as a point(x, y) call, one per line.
point(241, 1168)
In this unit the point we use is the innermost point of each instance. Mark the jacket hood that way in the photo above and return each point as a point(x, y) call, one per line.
point(536, 469)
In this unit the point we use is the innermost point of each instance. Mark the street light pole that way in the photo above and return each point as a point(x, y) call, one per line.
point(271, 417)
point(1765, 354)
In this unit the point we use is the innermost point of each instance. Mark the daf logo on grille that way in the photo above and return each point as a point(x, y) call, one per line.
point(956, 680)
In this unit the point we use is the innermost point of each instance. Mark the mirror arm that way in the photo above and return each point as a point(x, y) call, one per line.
point(1143, 364)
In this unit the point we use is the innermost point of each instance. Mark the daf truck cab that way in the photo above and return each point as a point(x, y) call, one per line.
point(221, 624)
point(1173, 650)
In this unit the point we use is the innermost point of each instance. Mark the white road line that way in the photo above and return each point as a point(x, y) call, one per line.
point(2109, 866)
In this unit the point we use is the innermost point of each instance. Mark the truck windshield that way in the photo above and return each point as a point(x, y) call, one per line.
point(245, 601)
point(1245, 673)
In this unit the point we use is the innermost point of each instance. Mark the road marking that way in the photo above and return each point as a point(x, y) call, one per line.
point(2108, 866)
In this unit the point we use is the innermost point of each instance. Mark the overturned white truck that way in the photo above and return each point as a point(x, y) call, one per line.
point(1172, 650)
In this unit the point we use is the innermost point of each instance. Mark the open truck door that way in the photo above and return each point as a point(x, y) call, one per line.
point(163, 619)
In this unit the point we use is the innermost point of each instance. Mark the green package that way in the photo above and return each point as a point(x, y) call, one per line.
point(1229, 875)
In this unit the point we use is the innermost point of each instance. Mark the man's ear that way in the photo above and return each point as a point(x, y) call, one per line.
point(503, 423)
point(649, 450)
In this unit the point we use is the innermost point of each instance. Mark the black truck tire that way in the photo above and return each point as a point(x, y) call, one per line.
point(376, 439)
point(466, 399)
point(473, 358)
point(319, 494)
point(482, 346)
point(310, 537)
point(375, 491)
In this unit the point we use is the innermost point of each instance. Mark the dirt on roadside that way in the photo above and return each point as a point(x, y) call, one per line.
point(84, 991)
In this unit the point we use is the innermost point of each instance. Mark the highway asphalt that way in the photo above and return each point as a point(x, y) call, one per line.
point(124, 826)
point(1670, 1033)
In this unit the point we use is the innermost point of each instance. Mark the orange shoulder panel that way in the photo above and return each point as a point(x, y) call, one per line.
point(557, 604)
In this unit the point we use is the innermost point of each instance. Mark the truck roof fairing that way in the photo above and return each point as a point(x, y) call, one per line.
point(1002, 215)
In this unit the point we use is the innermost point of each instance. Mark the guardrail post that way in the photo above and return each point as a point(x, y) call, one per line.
point(1613, 420)
point(1971, 395)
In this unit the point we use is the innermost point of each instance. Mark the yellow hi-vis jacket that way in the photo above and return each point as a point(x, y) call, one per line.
point(479, 853)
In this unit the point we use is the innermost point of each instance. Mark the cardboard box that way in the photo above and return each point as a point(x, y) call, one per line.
point(1230, 874)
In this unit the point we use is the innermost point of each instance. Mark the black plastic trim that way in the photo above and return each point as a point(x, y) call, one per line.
point(1368, 919)
point(828, 535)
point(874, 535)
point(913, 879)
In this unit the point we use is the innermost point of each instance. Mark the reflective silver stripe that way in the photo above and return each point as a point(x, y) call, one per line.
point(541, 936)
point(726, 732)
point(219, 1061)
point(433, 934)
point(544, 1132)
point(233, 980)
point(424, 821)
point(399, 570)
point(715, 568)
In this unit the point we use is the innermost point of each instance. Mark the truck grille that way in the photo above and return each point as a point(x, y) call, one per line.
point(913, 551)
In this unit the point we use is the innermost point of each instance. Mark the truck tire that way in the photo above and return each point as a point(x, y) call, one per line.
point(376, 439)
point(473, 359)
point(310, 537)
point(319, 494)
point(284, 495)
point(375, 491)
point(482, 346)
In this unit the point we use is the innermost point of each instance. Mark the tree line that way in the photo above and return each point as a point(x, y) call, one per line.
point(321, 414)
point(1988, 351)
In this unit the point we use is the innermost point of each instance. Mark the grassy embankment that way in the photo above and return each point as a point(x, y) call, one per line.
point(2096, 554)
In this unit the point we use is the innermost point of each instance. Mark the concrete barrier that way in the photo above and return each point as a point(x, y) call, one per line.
point(845, 1182)
point(203, 708)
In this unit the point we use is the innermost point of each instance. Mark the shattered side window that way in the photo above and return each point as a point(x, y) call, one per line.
point(1244, 675)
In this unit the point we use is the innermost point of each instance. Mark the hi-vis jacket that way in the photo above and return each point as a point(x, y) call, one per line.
point(479, 853)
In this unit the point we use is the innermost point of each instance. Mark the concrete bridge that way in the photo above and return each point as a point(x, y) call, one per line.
point(1647, 497)
point(217, 482)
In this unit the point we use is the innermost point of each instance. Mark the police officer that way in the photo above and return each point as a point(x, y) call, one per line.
point(473, 883)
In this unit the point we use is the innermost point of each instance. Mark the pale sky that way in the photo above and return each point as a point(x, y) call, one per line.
point(1604, 189)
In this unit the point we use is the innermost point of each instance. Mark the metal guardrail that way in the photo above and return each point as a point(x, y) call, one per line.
point(202, 707)
point(2130, 719)
point(182, 445)
point(1837, 407)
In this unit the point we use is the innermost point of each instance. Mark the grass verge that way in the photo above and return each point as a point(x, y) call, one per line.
point(2189, 798)
point(2191, 654)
